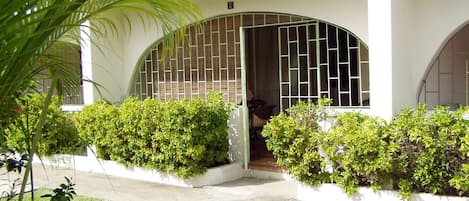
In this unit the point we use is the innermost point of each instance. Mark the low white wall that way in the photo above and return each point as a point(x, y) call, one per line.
point(235, 135)
point(90, 163)
point(334, 192)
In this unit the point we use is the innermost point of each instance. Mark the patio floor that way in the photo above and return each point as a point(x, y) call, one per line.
point(120, 189)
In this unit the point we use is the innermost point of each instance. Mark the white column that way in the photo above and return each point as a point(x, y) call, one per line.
point(86, 63)
point(380, 51)
point(403, 44)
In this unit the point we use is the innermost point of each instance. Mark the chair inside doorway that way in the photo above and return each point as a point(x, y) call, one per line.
point(262, 81)
point(261, 157)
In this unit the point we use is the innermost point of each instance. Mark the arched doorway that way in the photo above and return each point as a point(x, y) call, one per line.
point(288, 59)
point(447, 80)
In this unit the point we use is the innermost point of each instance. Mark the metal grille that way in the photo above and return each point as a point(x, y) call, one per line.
point(73, 97)
point(321, 60)
point(315, 60)
point(208, 61)
point(71, 55)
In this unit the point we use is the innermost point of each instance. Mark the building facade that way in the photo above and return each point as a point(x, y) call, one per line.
point(376, 56)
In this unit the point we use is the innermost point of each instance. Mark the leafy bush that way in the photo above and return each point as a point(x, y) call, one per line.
point(97, 125)
point(417, 151)
point(358, 151)
point(295, 141)
point(60, 134)
point(431, 152)
point(181, 137)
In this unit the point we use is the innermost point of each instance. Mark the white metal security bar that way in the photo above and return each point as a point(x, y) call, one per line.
point(318, 59)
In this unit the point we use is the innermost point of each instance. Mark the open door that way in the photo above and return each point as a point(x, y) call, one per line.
point(300, 62)
point(262, 88)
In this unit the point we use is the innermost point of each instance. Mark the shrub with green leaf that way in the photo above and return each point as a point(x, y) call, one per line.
point(295, 140)
point(418, 151)
point(431, 155)
point(183, 137)
point(97, 125)
point(359, 152)
point(59, 133)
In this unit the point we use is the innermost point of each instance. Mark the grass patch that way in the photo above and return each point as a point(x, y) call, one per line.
point(43, 191)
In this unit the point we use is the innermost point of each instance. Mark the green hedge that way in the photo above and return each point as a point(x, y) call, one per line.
point(415, 152)
point(97, 125)
point(59, 133)
point(180, 137)
point(431, 150)
point(358, 151)
point(295, 140)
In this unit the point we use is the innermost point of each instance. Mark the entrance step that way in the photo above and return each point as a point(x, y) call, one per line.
point(265, 164)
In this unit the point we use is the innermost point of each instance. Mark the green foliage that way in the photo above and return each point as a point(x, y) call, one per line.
point(181, 137)
point(59, 134)
point(417, 151)
point(431, 150)
point(358, 151)
point(295, 139)
point(97, 125)
point(9, 108)
point(63, 193)
point(30, 28)
point(43, 191)
point(461, 180)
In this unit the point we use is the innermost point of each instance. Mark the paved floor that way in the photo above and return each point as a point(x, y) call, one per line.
point(120, 189)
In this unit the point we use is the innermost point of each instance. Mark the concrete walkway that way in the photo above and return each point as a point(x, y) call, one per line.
point(120, 189)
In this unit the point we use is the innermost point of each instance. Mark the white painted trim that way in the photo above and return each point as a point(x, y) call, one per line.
point(380, 61)
point(71, 108)
point(86, 63)
point(244, 106)
point(333, 192)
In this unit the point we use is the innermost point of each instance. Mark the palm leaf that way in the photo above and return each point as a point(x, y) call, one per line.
point(31, 28)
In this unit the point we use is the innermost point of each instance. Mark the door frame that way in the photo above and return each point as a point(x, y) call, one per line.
point(245, 114)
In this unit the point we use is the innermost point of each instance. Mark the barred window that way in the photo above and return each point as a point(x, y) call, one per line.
point(312, 59)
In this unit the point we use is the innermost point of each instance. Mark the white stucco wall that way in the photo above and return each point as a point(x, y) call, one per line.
point(116, 67)
point(435, 22)
point(421, 28)
point(402, 49)
point(235, 136)
point(107, 61)
point(351, 15)
point(380, 46)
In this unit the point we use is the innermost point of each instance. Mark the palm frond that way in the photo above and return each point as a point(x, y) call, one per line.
point(30, 28)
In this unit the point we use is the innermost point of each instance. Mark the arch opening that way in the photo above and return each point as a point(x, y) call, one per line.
point(447, 79)
point(288, 59)
point(333, 61)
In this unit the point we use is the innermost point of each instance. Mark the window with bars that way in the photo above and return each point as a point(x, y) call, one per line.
point(316, 59)
point(322, 60)
point(69, 56)
point(208, 61)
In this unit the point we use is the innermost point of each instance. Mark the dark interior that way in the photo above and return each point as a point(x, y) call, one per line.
point(263, 82)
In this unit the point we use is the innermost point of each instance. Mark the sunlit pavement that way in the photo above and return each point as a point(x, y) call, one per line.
point(120, 189)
